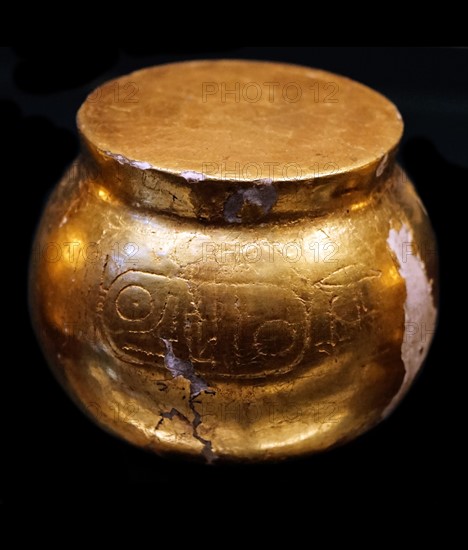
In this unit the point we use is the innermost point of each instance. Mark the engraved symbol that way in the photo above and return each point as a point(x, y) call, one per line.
point(274, 337)
point(133, 302)
point(245, 333)
point(139, 310)
point(233, 330)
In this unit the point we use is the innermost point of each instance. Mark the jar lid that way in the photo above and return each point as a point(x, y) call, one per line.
point(215, 127)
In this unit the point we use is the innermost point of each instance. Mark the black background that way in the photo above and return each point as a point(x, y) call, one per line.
point(55, 451)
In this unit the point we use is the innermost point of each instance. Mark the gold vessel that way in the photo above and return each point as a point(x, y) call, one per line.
point(235, 268)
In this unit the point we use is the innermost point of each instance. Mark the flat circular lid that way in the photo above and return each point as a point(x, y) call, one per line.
point(240, 120)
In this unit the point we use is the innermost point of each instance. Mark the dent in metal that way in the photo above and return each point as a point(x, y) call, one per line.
point(264, 196)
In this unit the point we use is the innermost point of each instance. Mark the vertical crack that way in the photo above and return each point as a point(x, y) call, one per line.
point(178, 367)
